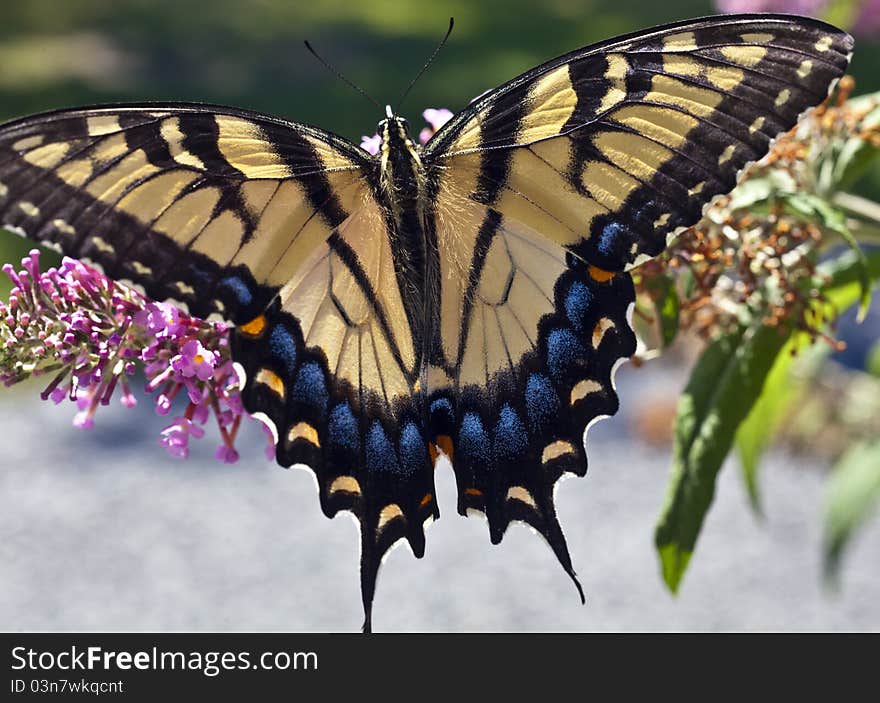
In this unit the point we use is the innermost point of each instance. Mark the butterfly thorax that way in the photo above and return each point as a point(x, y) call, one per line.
point(402, 192)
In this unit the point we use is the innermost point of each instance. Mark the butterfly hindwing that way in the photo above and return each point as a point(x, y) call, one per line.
point(531, 338)
point(334, 366)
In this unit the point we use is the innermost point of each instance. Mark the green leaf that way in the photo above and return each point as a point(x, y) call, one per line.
point(824, 213)
point(757, 192)
point(758, 429)
point(873, 364)
point(751, 192)
point(688, 283)
point(669, 312)
point(722, 389)
point(664, 296)
point(782, 387)
point(853, 496)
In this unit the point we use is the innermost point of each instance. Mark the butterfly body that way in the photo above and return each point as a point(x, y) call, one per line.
point(468, 298)
point(402, 191)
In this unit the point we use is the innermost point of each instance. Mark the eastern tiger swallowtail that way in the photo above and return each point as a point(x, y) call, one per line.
point(468, 297)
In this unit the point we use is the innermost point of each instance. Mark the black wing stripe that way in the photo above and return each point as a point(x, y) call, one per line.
point(495, 165)
point(487, 231)
point(328, 208)
point(747, 95)
point(147, 137)
point(350, 260)
point(502, 186)
point(201, 137)
point(121, 268)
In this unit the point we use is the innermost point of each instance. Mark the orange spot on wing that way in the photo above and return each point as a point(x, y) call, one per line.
point(445, 444)
point(475, 492)
point(601, 275)
point(255, 327)
point(426, 500)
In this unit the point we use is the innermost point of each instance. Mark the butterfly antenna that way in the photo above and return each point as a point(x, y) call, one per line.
point(427, 64)
point(336, 72)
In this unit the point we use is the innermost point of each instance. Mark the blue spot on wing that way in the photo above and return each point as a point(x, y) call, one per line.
point(542, 403)
point(577, 303)
point(413, 453)
point(441, 406)
point(563, 351)
point(381, 457)
point(442, 415)
point(239, 289)
point(510, 436)
point(609, 238)
point(310, 387)
point(473, 442)
point(283, 348)
point(343, 428)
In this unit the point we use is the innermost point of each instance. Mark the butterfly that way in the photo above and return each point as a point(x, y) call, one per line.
point(467, 298)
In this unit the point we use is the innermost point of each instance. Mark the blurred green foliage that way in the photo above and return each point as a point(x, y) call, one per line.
point(249, 53)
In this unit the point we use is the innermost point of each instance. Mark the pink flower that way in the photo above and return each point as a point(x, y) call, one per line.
point(371, 144)
point(227, 455)
point(795, 7)
point(92, 334)
point(436, 118)
point(195, 361)
point(175, 437)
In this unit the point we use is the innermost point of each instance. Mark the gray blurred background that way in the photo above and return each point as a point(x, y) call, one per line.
point(100, 531)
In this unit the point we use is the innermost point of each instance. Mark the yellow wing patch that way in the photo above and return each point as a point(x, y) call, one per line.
point(552, 101)
point(518, 271)
point(340, 318)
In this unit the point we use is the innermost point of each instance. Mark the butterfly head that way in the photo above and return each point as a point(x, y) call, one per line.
point(398, 152)
point(393, 129)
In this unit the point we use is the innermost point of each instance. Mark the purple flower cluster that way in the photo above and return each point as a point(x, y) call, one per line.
point(794, 7)
point(861, 17)
point(93, 335)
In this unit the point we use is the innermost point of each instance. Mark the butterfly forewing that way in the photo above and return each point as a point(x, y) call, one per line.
point(179, 199)
point(611, 149)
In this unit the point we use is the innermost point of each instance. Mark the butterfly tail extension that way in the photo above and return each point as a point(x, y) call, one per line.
point(368, 458)
point(511, 441)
